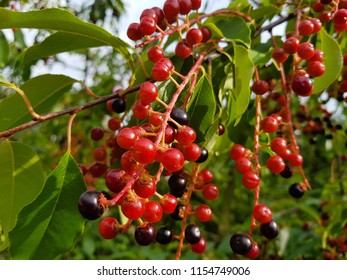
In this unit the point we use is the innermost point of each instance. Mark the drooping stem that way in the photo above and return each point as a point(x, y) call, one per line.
point(69, 130)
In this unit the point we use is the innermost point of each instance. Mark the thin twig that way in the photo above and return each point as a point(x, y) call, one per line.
point(274, 24)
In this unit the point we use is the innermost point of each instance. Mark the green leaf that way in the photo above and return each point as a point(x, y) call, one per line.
point(333, 61)
point(216, 32)
point(239, 99)
point(21, 181)
point(261, 53)
point(4, 82)
point(201, 108)
point(64, 21)
point(265, 13)
point(43, 92)
point(50, 225)
point(235, 29)
point(4, 50)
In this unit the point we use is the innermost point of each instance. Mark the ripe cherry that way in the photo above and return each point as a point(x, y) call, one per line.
point(306, 28)
point(171, 9)
point(262, 213)
point(254, 251)
point(279, 55)
point(295, 159)
point(145, 187)
point(243, 165)
point(203, 213)
point(269, 124)
point(196, 4)
point(144, 151)
point(168, 203)
point(296, 191)
point(97, 169)
point(107, 228)
point(185, 6)
point(100, 154)
point(153, 211)
point(126, 138)
point(199, 247)
point(148, 25)
point(237, 151)
point(140, 110)
point(206, 34)
point(210, 192)
point(194, 36)
point(278, 145)
point(275, 164)
point(133, 32)
point(148, 93)
point(115, 180)
point(183, 49)
point(133, 208)
point(179, 115)
point(306, 50)
point(185, 135)
point(192, 234)
point(340, 17)
point(164, 235)
point(89, 205)
point(240, 243)
point(192, 152)
point(149, 13)
point(114, 123)
point(155, 53)
point(119, 105)
point(172, 160)
point(260, 87)
point(315, 68)
point(302, 85)
point(250, 180)
point(207, 175)
point(269, 230)
point(97, 133)
point(203, 156)
point(162, 69)
point(291, 45)
point(145, 234)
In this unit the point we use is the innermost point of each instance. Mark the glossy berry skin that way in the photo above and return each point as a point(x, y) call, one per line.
point(302, 85)
point(185, 135)
point(148, 25)
point(270, 230)
point(317, 25)
point(295, 159)
point(183, 49)
point(260, 87)
point(200, 247)
point(206, 34)
point(114, 124)
point(126, 138)
point(196, 4)
point(133, 208)
point(262, 213)
point(133, 32)
point(168, 203)
point(114, 180)
point(275, 164)
point(203, 156)
point(170, 134)
point(250, 180)
point(89, 206)
point(203, 213)
point(318, 6)
point(149, 13)
point(185, 6)
point(254, 251)
point(340, 17)
point(148, 93)
point(315, 68)
point(177, 214)
point(107, 228)
point(145, 235)
point(278, 145)
point(240, 243)
point(243, 165)
point(296, 191)
point(177, 182)
point(279, 55)
point(161, 70)
point(192, 152)
point(237, 151)
point(207, 175)
point(153, 211)
point(97, 133)
point(221, 129)
point(164, 235)
point(291, 45)
point(306, 28)
point(179, 115)
point(210, 192)
point(97, 169)
point(287, 172)
point(145, 188)
point(140, 110)
point(155, 53)
point(194, 36)
point(192, 234)
point(119, 105)
point(144, 151)
point(325, 17)
point(306, 50)
point(269, 124)
point(172, 160)
point(100, 154)
point(171, 9)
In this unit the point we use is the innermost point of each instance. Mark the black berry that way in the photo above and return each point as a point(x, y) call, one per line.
point(89, 205)
point(145, 235)
point(203, 156)
point(192, 234)
point(177, 185)
point(296, 191)
point(287, 172)
point(119, 105)
point(179, 115)
point(177, 214)
point(164, 235)
point(269, 230)
point(240, 243)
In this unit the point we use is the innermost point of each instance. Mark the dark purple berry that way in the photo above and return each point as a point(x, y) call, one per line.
point(240, 243)
point(145, 235)
point(119, 105)
point(296, 191)
point(203, 156)
point(192, 234)
point(89, 205)
point(269, 230)
point(164, 235)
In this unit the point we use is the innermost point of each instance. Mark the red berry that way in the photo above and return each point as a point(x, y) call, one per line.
point(302, 85)
point(196, 4)
point(159, 12)
point(148, 93)
point(183, 49)
point(254, 251)
point(168, 203)
point(317, 25)
point(144, 151)
point(340, 27)
point(199, 247)
point(203, 213)
point(210, 192)
point(262, 213)
point(148, 25)
point(250, 180)
point(291, 45)
point(114, 123)
point(260, 87)
point(278, 145)
point(100, 154)
point(128, 163)
point(107, 228)
point(207, 175)
point(145, 187)
point(97, 133)
point(325, 17)
point(153, 211)
point(161, 70)
point(171, 9)
point(306, 27)
point(345, 59)
point(140, 110)
point(295, 159)
point(155, 53)
point(318, 6)
point(306, 50)
point(155, 119)
point(269, 124)
point(318, 55)
point(126, 138)
point(237, 151)
point(243, 165)
point(133, 208)
point(194, 36)
point(97, 169)
point(275, 164)
point(172, 159)
point(279, 55)
point(315, 68)
point(133, 32)
point(149, 13)
point(185, 6)
point(170, 134)
point(115, 180)
point(192, 152)
point(185, 135)
point(340, 17)
point(206, 34)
